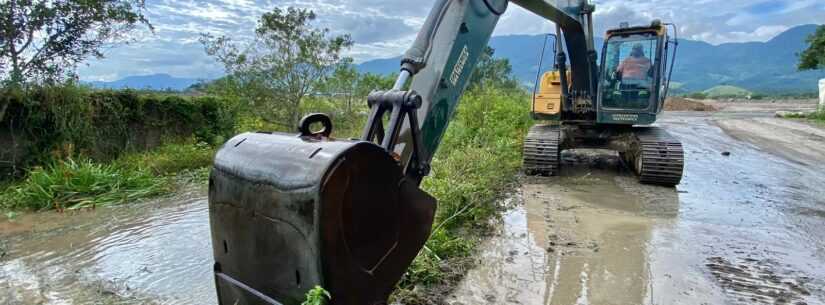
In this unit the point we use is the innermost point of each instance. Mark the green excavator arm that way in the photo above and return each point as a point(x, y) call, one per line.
point(290, 212)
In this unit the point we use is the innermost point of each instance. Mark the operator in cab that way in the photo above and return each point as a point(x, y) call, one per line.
point(636, 66)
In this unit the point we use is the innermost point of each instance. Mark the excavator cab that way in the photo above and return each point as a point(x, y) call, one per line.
point(634, 75)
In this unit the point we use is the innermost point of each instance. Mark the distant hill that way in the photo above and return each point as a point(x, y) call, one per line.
point(152, 81)
point(727, 91)
point(756, 66)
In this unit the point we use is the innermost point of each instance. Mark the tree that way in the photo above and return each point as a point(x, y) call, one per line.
point(814, 56)
point(369, 82)
point(285, 61)
point(45, 39)
point(490, 70)
point(346, 83)
point(342, 83)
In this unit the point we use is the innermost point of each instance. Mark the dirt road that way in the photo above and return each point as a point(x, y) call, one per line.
point(741, 229)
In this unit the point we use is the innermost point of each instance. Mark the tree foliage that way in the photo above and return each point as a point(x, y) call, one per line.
point(814, 56)
point(345, 83)
point(490, 70)
point(285, 62)
point(45, 39)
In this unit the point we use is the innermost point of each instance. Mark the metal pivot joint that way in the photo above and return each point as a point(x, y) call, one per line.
point(401, 105)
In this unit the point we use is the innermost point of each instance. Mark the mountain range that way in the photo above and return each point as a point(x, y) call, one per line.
point(151, 81)
point(767, 67)
point(757, 66)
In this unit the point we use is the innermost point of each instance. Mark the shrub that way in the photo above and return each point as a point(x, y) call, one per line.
point(71, 121)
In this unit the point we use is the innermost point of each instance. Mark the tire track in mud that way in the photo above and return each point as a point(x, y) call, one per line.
point(751, 281)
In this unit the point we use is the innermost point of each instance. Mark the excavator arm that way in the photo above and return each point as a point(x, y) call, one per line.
point(289, 212)
point(447, 48)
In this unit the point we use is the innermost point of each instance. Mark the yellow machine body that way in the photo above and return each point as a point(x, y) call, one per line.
point(547, 100)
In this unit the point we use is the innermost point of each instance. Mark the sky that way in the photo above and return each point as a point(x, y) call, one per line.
point(385, 28)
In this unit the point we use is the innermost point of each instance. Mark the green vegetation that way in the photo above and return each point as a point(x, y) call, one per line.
point(73, 147)
point(492, 71)
point(697, 95)
point(71, 184)
point(816, 116)
point(753, 95)
point(169, 159)
point(814, 56)
point(727, 91)
point(62, 121)
point(317, 296)
point(477, 161)
point(285, 62)
point(41, 42)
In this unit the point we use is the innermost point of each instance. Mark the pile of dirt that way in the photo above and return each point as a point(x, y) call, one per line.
point(683, 104)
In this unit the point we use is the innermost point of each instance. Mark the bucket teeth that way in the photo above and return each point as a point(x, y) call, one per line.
point(661, 158)
point(541, 150)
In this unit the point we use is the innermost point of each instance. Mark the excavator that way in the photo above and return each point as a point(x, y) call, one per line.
point(291, 212)
point(607, 108)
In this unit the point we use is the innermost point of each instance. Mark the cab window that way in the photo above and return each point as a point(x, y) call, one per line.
point(627, 82)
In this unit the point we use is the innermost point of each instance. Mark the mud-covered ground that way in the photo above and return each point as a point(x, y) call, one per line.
point(741, 229)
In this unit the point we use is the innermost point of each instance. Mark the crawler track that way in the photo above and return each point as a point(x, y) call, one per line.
point(660, 158)
point(541, 150)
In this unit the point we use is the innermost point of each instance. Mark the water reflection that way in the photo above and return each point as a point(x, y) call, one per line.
point(156, 253)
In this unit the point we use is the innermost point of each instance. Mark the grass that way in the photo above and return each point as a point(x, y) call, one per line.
point(478, 160)
point(816, 116)
point(170, 159)
point(75, 184)
point(82, 183)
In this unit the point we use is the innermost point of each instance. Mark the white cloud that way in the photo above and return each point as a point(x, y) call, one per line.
point(384, 28)
point(762, 33)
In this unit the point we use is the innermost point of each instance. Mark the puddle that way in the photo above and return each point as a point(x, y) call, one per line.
point(591, 232)
point(152, 253)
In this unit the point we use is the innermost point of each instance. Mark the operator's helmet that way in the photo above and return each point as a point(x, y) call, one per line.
point(638, 50)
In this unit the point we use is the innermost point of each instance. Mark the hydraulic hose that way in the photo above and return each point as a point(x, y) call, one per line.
point(416, 56)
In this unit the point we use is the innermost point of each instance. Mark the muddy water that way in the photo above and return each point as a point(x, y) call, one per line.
point(152, 253)
point(740, 229)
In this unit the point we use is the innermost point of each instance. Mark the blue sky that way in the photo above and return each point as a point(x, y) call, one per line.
point(384, 28)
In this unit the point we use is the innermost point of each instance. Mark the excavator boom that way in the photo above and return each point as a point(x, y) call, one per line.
point(450, 42)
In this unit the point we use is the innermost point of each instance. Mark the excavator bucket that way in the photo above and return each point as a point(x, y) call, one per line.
point(289, 212)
